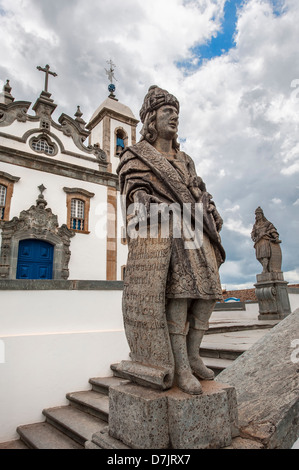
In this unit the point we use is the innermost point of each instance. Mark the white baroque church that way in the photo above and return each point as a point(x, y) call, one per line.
point(62, 254)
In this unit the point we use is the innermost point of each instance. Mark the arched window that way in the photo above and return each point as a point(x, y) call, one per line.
point(77, 214)
point(42, 145)
point(121, 141)
point(3, 191)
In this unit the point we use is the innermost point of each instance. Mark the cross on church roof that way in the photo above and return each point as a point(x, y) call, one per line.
point(47, 72)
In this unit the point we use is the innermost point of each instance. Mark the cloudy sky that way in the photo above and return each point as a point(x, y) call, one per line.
point(233, 65)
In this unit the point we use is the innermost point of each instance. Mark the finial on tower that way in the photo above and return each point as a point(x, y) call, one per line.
point(78, 115)
point(6, 96)
point(41, 202)
point(111, 77)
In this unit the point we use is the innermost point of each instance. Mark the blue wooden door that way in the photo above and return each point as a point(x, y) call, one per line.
point(35, 259)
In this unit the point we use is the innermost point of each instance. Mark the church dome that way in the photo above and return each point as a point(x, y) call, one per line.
point(111, 105)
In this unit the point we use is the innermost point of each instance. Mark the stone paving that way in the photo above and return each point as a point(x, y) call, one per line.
point(234, 340)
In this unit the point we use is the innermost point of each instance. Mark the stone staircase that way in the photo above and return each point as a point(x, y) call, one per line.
point(72, 426)
point(69, 426)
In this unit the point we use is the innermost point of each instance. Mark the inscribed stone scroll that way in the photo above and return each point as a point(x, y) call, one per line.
point(144, 313)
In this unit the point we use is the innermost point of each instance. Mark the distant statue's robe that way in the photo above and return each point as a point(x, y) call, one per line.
point(266, 244)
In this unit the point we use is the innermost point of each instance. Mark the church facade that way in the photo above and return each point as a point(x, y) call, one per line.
point(59, 202)
point(62, 251)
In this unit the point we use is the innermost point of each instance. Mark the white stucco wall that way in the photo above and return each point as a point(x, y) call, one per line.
point(96, 136)
point(122, 250)
point(294, 301)
point(51, 343)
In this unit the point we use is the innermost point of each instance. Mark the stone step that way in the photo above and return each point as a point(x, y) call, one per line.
point(102, 384)
point(45, 436)
point(103, 440)
point(231, 344)
point(219, 327)
point(217, 364)
point(76, 424)
point(12, 445)
point(90, 402)
point(228, 354)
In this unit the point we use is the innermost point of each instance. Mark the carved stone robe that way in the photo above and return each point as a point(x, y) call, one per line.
point(163, 267)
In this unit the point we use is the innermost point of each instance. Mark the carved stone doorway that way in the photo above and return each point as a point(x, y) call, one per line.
point(36, 223)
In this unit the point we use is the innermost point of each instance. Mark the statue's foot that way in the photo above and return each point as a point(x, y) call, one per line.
point(186, 381)
point(200, 370)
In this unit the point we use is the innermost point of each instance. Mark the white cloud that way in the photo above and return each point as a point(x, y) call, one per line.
point(232, 268)
point(235, 208)
point(292, 276)
point(238, 226)
point(291, 170)
point(238, 286)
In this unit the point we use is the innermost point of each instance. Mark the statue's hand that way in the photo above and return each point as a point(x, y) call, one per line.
point(218, 220)
point(216, 216)
point(143, 201)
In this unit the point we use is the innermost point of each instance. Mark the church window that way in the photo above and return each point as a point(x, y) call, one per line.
point(2, 200)
point(42, 144)
point(121, 141)
point(78, 205)
point(6, 191)
point(77, 214)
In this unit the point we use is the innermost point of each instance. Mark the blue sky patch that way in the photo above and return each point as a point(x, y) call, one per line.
point(218, 45)
point(278, 7)
point(225, 38)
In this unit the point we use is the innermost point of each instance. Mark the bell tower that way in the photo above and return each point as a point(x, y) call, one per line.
point(113, 127)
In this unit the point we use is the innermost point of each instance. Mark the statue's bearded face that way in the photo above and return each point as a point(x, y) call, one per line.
point(167, 120)
point(259, 216)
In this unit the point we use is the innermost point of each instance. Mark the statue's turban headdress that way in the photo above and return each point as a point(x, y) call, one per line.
point(259, 210)
point(154, 99)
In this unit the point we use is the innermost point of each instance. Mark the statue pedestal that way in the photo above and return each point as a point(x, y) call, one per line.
point(143, 418)
point(272, 294)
